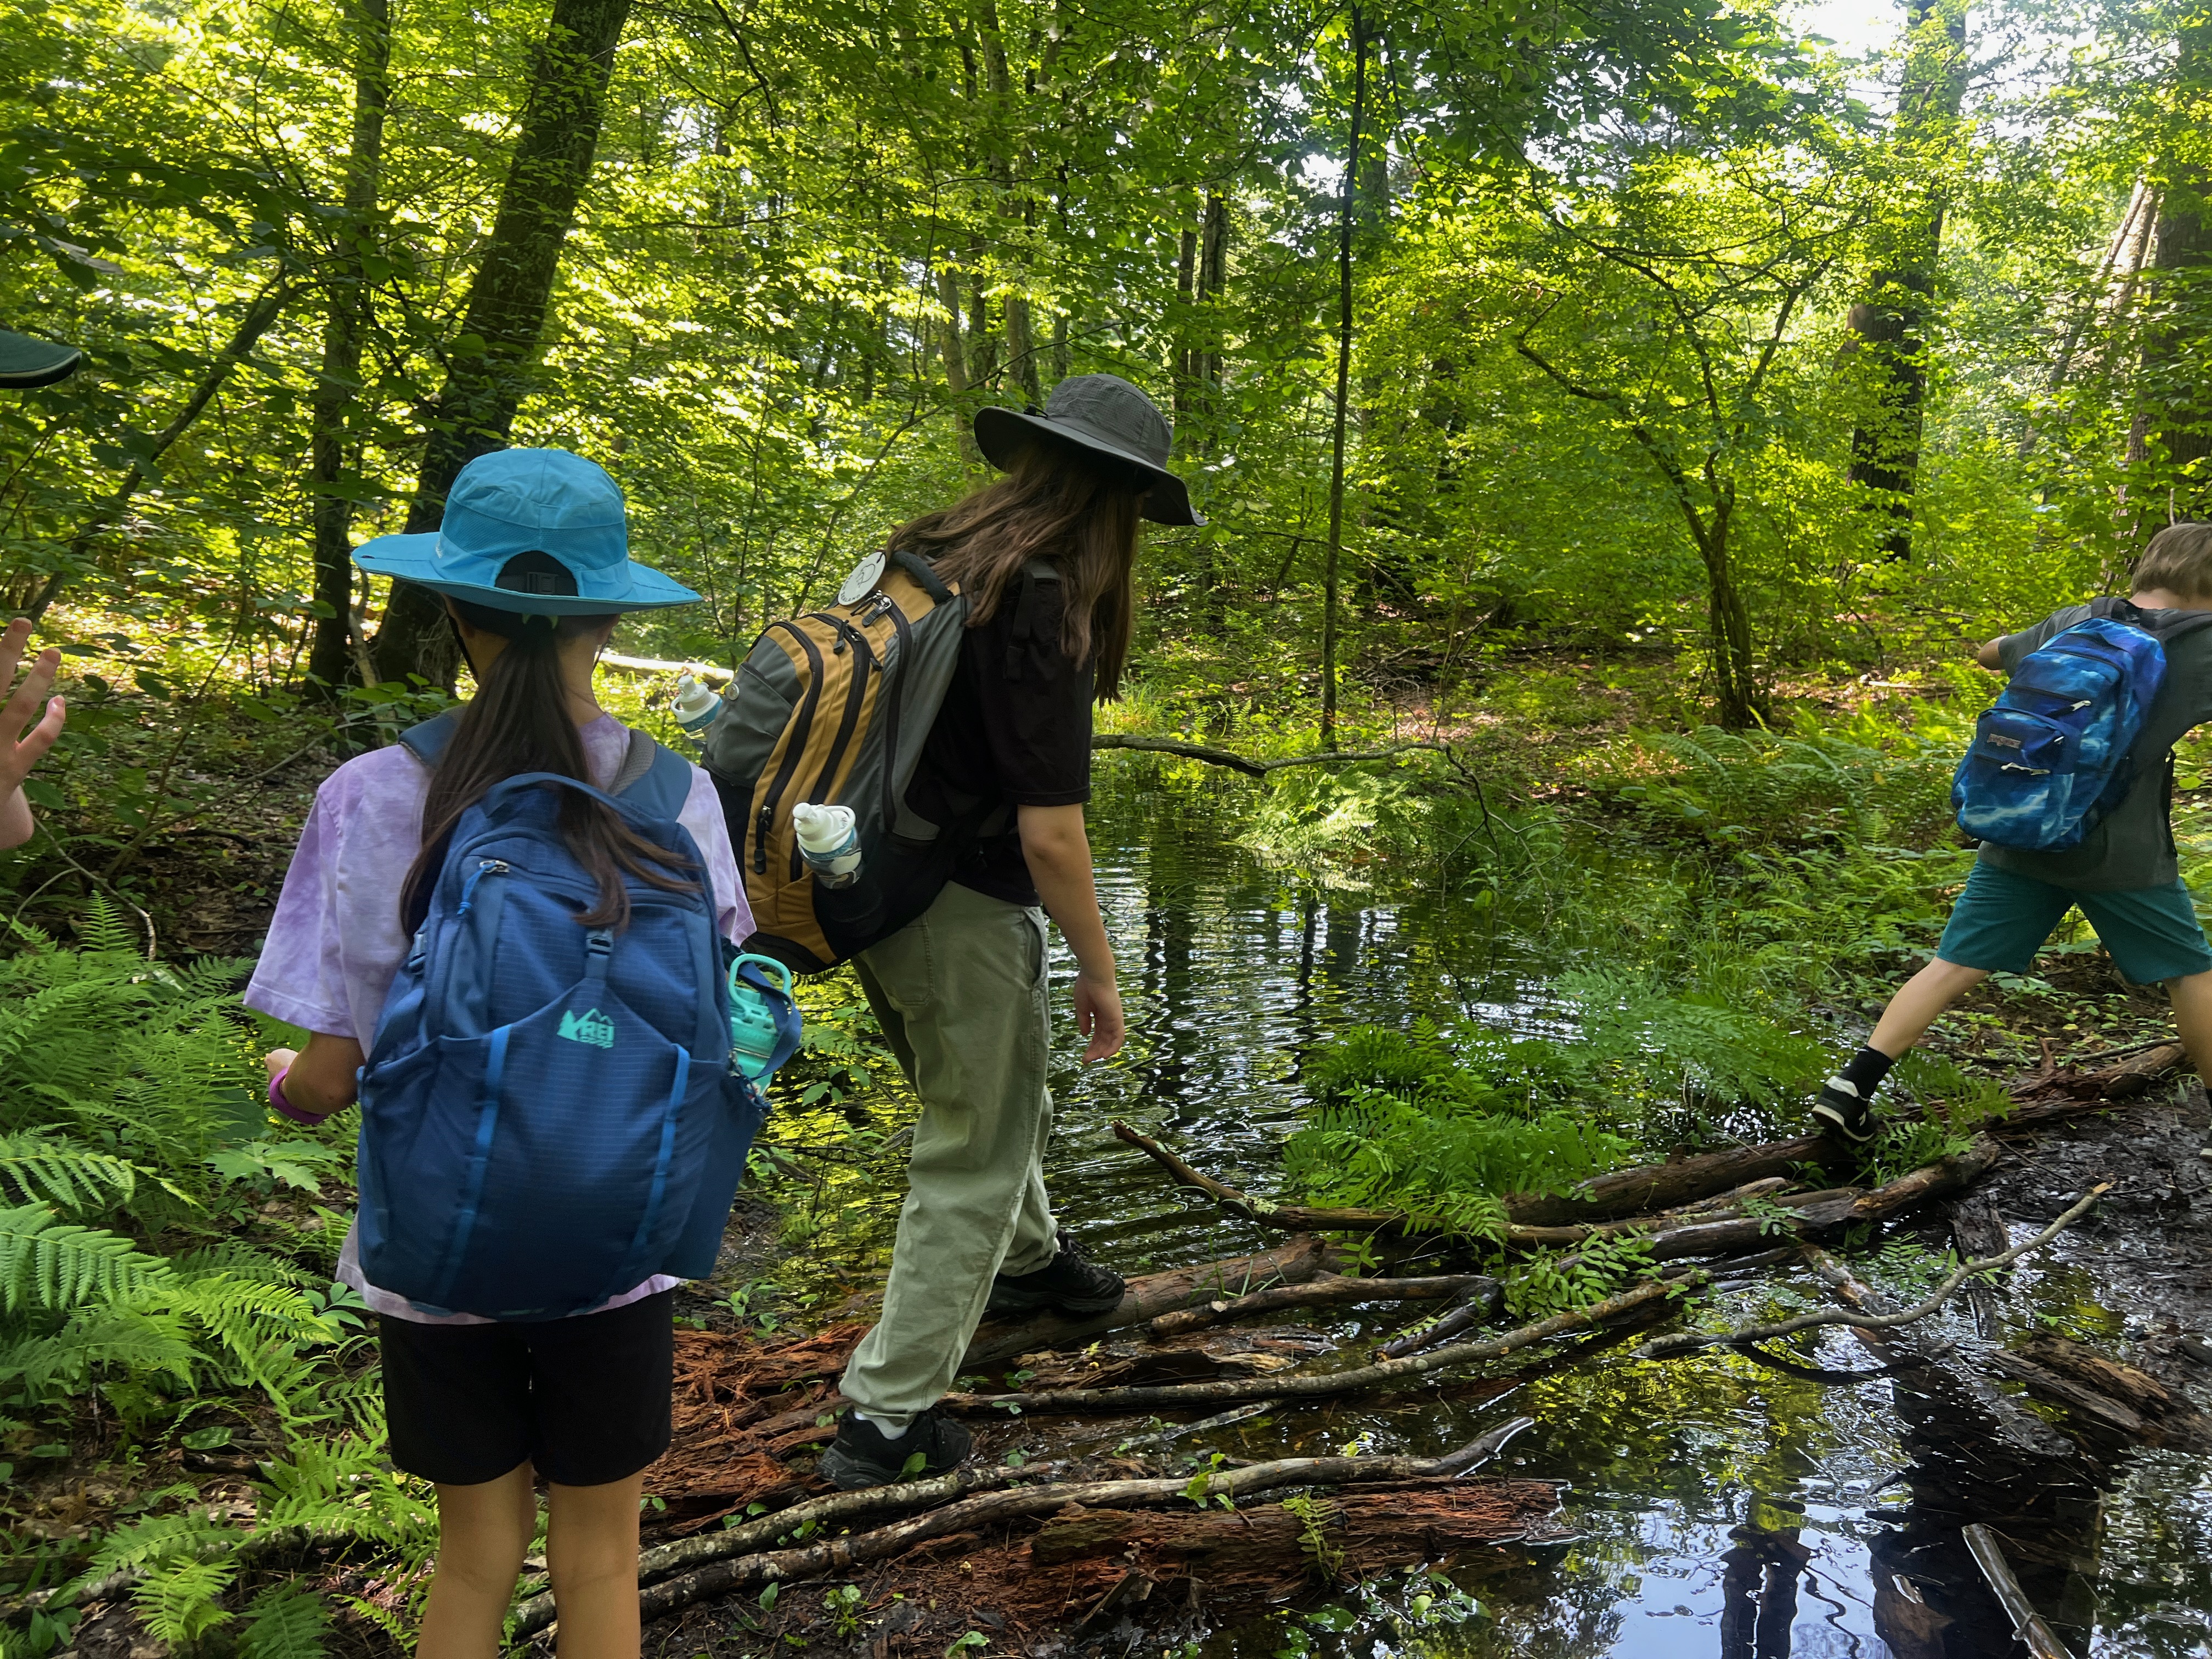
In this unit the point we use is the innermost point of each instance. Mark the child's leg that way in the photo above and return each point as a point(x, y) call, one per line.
point(2192, 1018)
point(1919, 1002)
point(483, 1533)
point(591, 1549)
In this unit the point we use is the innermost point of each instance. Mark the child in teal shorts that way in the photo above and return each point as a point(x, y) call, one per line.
point(2124, 875)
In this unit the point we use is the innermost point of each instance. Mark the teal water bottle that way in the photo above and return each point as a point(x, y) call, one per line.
point(765, 1024)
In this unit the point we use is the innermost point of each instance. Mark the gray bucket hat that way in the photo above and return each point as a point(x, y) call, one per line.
point(1104, 414)
point(26, 364)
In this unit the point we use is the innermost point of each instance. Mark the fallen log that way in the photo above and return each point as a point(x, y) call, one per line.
point(744, 1568)
point(2110, 1395)
point(1351, 1536)
point(1724, 1235)
point(1147, 1298)
point(1682, 1342)
point(1329, 1290)
point(1279, 1386)
point(2027, 1626)
point(1958, 1393)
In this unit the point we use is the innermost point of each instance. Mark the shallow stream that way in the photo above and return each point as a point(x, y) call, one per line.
point(1715, 1507)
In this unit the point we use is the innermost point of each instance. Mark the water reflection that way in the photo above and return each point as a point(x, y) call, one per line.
point(1719, 1509)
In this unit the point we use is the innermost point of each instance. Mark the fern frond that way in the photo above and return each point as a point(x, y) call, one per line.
point(180, 1602)
point(35, 1164)
point(160, 1538)
point(285, 1621)
point(47, 1263)
point(129, 1339)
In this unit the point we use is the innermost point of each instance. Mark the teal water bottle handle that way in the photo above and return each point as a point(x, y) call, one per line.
point(754, 1031)
point(778, 971)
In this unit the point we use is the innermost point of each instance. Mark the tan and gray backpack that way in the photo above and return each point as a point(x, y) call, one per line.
point(833, 707)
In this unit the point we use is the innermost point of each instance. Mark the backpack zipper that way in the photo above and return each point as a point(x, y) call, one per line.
point(484, 868)
point(766, 821)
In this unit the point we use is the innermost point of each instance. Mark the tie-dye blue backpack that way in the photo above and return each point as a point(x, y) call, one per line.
point(2051, 757)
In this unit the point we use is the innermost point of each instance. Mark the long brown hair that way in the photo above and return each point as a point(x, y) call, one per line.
point(519, 722)
point(1057, 503)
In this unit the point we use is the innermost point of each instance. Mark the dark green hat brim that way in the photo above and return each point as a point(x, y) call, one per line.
point(26, 364)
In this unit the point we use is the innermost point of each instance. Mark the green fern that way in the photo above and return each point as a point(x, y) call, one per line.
point(285, 1621)
point(179, 1602)
point(109, 1336)
point(48, 1264)
point(35, 1164)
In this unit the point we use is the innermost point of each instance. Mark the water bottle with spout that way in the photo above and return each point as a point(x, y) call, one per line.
point(696, 707)
point(829, 842)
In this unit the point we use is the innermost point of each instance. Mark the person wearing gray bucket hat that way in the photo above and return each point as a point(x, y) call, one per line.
point(1043, 559)
point(1104, 415)
point(26, 364)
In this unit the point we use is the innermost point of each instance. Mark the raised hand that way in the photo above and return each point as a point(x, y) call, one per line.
point(18, 757)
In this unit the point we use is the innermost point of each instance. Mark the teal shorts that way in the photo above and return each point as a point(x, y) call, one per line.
point(2003, 918)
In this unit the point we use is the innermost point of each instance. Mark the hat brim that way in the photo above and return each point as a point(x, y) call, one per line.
point(1000, 432)
point(414, 559)
point(26, 364)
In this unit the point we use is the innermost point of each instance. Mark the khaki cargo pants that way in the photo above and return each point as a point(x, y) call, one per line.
point(962, 999)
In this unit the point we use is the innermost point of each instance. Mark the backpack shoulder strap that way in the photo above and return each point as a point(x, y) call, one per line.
point(428, 740)
point(653, 777)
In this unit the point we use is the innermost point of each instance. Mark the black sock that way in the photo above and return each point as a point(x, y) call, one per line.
point(1866, 1070)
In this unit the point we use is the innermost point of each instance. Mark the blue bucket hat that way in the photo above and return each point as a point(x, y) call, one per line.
point(514, 501)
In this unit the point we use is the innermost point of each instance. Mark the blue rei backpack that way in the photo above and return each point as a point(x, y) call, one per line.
point(549, 1115)
point(2051, 758)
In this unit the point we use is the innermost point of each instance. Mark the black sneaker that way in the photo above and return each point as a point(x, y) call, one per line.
point(1841, 1111)
point(1067, 1283)
point(863, 1456)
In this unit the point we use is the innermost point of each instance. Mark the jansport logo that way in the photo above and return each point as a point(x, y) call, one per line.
point(593, 1027)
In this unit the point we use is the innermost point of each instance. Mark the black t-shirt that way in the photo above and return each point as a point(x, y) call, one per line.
point(1015, 730)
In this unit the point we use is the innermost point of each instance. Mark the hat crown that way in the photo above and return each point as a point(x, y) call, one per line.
point(1110, 406)
point(538, 490)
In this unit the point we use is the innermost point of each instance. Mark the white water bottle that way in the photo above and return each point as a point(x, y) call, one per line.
point(829, 842)
point(696, 706)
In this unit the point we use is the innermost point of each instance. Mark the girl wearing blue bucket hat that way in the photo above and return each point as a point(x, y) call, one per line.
point(532, 559)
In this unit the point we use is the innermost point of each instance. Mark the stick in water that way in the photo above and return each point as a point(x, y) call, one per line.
point(1682, 1342)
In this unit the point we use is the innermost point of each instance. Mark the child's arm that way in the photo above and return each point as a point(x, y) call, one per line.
point(318, 1080)
point(1987, 656)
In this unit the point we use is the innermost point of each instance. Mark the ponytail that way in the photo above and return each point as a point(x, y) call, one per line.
point(519, 722)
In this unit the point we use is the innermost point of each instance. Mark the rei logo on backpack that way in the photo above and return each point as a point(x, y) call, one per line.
point(832, 708)
point(2052, 758)
point(548, 1116)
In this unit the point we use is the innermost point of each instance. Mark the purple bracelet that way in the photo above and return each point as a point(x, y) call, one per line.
point(284, 1107)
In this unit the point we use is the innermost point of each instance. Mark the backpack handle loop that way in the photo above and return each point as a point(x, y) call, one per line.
point(599, 950)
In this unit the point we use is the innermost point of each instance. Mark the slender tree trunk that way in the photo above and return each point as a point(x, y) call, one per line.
point(330, 658)
point(1345, 221)
point(1736, 685)
point(1212, 281)
point(948, 333)
point(1890, 322)
point(492, 359)
point(1186, 352)
point(1021, 349)
point(2180, 387)
point(259, 316)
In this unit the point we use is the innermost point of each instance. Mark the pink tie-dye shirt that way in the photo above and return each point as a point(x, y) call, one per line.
point(336, 941)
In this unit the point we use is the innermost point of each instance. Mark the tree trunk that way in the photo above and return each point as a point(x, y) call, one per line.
point(2178, 388)
point(330, 658)
point(494, 357)
point(1889, 322)
point(1345, 220)
point(1021, 349)
point(1735, 683)
point(1186, 352)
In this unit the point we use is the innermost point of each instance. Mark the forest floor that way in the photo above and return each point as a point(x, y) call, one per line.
point(1546, 721)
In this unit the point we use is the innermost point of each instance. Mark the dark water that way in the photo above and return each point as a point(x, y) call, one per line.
point(1717, 1508)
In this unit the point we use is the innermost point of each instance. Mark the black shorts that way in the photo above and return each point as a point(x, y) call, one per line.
point(586, 1399)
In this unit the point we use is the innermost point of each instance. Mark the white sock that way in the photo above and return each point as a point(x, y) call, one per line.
point(884, 1426)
